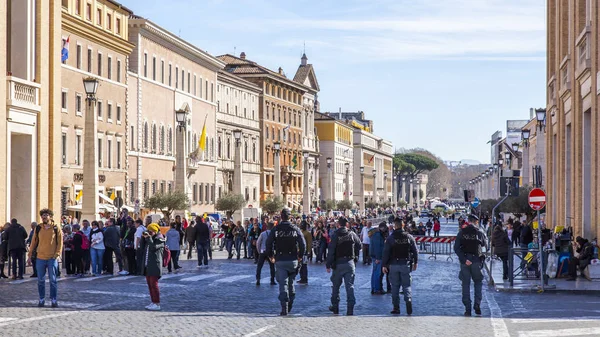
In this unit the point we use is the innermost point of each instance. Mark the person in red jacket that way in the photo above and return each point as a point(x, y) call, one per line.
point(436, 227)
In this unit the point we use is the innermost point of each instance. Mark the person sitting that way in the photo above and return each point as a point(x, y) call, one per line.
point(585, 251)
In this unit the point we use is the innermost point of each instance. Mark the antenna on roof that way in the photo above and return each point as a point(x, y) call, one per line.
point(234, 50)
point(304, 51)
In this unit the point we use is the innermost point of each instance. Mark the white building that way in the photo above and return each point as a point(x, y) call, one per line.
point(375, 155)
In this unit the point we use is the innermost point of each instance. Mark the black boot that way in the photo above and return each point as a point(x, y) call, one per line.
point(350, 310)
point(477, 309)
point(409, 308)
point(284, 309)
point(467, 313)
point(334, 309)
point(289, 306)
point(395, 311)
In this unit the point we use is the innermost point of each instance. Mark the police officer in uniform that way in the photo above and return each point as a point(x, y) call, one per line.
point(288, 244)
point(400, 257)
point(467, 246)
point(342, 256)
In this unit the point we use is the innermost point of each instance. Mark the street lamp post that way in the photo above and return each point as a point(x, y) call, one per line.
point(237, 169)
point(385, 196)
point(540, 140)
point(362, 190)
point(375, 196)
point(525, 133)
point(347, 196)
point(403, 198)
point(89, 208)
point(277, 170)
point(395, 189)
point(410, 193)
point(306, 202)
point(330, 179)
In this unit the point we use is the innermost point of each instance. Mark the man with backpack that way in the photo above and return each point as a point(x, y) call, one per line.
point(46, 247)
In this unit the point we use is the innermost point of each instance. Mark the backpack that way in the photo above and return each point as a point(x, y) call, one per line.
point(166, 257)
point(85, 241)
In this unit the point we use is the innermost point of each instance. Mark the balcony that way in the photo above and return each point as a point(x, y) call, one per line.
point(23, 95)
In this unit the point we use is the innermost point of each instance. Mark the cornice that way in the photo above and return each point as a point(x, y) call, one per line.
point(88, 31)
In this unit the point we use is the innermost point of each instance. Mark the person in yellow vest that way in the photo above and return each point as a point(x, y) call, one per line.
point(46, 247)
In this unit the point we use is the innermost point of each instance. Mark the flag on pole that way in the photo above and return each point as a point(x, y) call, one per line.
point(78, 196)
point(202, 140)
point(370, 160)
point(286, 128)
point(113, 196)
point(295, 161)
point(64, 54)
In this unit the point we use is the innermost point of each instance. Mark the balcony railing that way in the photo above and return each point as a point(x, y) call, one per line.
point(23, 94)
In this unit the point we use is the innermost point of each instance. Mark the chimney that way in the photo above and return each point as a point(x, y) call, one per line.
point(243, 56)
point(280, 71)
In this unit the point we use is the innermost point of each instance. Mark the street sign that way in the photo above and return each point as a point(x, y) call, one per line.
point(537, 199)
point(475, 203)
point(118, 202)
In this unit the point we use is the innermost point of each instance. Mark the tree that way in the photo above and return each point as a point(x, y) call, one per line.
point(167, 202)
point(328, 204)
point(230, 203)
point(520, 204)
point(272, 205)
point(386, 204)
point(371, 204)
point(344, 205)
point(402, 203)
point(418, 163)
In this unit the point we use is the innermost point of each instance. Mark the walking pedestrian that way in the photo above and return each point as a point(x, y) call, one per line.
point(46, 247)
point(229, 239)
point(172, 242)
point(15, 237)
point(97, 248)
point(129, 246)
point(400, 257)
point(366, 240)
point(261, 245)
point(203, 234)
point(252, 239)
point(342, 257)
point(286, 245)
point(429, 226)
point(152, 261)
point(467, 247)
point(68, 250)
point(240, 238)
point(500, 245)
point(112, 246)
point(190, 238)
point(378, 236)
point(3, 249)
point(307, 253)
point(436, 227)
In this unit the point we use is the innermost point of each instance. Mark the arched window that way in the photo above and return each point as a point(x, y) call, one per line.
point(145, 136)
point(154, 138)
point(162, 139)
point(170, 141)
point(245, 150)
point(228, 148)
point(254, 152)
point(219, 153)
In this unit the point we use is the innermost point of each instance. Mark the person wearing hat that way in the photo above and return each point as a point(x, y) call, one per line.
point(153, 262)
point(467, 247)
point(285, 244)
point(400, 257)
point(342, 256)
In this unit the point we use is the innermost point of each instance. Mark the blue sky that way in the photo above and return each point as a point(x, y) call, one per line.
point(438, 74)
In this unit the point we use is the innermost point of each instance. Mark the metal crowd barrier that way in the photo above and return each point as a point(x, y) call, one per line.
point(434, 246)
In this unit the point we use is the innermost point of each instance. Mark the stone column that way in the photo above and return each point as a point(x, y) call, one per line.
point(347, 196)
point(306, 191)
point(362, 193)
point(277, 175)
point(238, 183)
point(410, 194)
point(394, 190)
point(180, 157)
point(89, 207)
point(403, 197)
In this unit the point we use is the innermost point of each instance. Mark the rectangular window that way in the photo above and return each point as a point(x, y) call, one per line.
point(132, 138)
point(188, 82)
point(88, 12)
point(212, 92)
point(109, 68)
point(78, 150)
point(182, 80)
point(194, 85)
point(78, 103)
point(176, 77)
point(154, 68)
point(170, 68)
point(206, 89)
point(145, 189)
point(195, 193)
point(99, 17)
point(118, 113)
point(99, 64)
point(200, 87)
point(162, 72)
point(78, 57)
point(109, 152)
point(145, 65)
point(118, 70)
point(89, 65)
point(99, 152)
point(108, 22)
point(78, 7)
point(207, 193)
point(63, 100)
point(118, 154)
point(99, 107)
point(64, 148)
point(109, 111)
point(118, 26)
point(201, 193)
point(132, 191)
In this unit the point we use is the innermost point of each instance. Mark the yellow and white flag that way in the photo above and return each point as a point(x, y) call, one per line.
point(113, 196)
point(202, 140)
point(78, 196)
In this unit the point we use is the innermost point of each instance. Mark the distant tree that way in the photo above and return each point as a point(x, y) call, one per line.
point(344, 205)
point(420, 163)
point(329, 204)
point(386, 204)
point(520, 204)
point(272, 205)
point(371, 204)
point(167, 202)
point(230, 203)
point(402, 203)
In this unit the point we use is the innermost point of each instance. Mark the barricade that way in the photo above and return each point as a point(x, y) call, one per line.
point(439, 245)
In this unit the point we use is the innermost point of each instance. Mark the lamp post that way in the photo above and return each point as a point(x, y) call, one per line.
point(525, 133)
point(403, 189)
point(508, 157)
point(385, 196)
point(410, 193)
point(418, 199)
point(347, 196)
point(277, 171)
point(540, 141)
point(330, 179)
point(89, 208)
point(395, 189)
point(237, 170)
point(306, 202)
point(374, 197)
point(362, 190)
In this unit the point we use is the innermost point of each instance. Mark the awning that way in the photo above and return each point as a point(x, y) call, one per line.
point(101, 208)
point(105, 197)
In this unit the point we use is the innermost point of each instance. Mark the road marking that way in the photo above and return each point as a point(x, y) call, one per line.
point(498, 324)
point(198, 277)
point(231, 279)
point(39, 318)
point(560, 332)
point(23, 280)
point(7, 319)
point(166, 277)
point(74, 305)
point(57, 280)
point(113, 293)
point(365, 286)
point(89, 279)
point(122, 278)
point(555, 320)
point(264, 280)
point(259, 331)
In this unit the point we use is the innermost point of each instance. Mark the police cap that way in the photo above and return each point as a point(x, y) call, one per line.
point(473, 217)
point(286, 213)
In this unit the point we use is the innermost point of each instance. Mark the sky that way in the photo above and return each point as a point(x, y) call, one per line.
point(442, 75)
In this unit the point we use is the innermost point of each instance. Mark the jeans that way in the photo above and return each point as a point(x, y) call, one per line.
point(376, 277)
point(131, 264)
point(190, 245)
point(436, 233)
point(285, 274)
point(174, 260)
point(250, 249)
point(18, 257)
point(468, 273)
point(153, 288)
point(203, 252)
point(97, 256)
point(229, 247)
point(261, 262)
point(110, 267)
point(322, 252)
point(238, 247)
point(344, 271)
point(51, 266)
point(400, 276)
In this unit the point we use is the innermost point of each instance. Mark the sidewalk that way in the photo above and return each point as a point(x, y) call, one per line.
point(580, 286)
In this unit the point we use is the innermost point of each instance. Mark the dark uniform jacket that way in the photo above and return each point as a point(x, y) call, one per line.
point(400, 248)
point(285, 242)
point(469, 241)
point(344, 244)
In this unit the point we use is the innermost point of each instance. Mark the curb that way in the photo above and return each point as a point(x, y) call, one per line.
point(532, 290)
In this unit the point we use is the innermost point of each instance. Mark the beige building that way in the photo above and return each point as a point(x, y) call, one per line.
point(572, 145)
point(237, 109)
point(375, 154)
point(30, 113)
point(97, 31)
point(167, 74)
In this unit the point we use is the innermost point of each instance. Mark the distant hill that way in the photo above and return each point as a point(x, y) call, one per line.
point(470, 162)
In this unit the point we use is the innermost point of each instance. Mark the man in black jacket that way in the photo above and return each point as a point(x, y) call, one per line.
point(586, 252)
point(16, 236)
point(111, 243)
point(467, 247)
point(203, 234)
